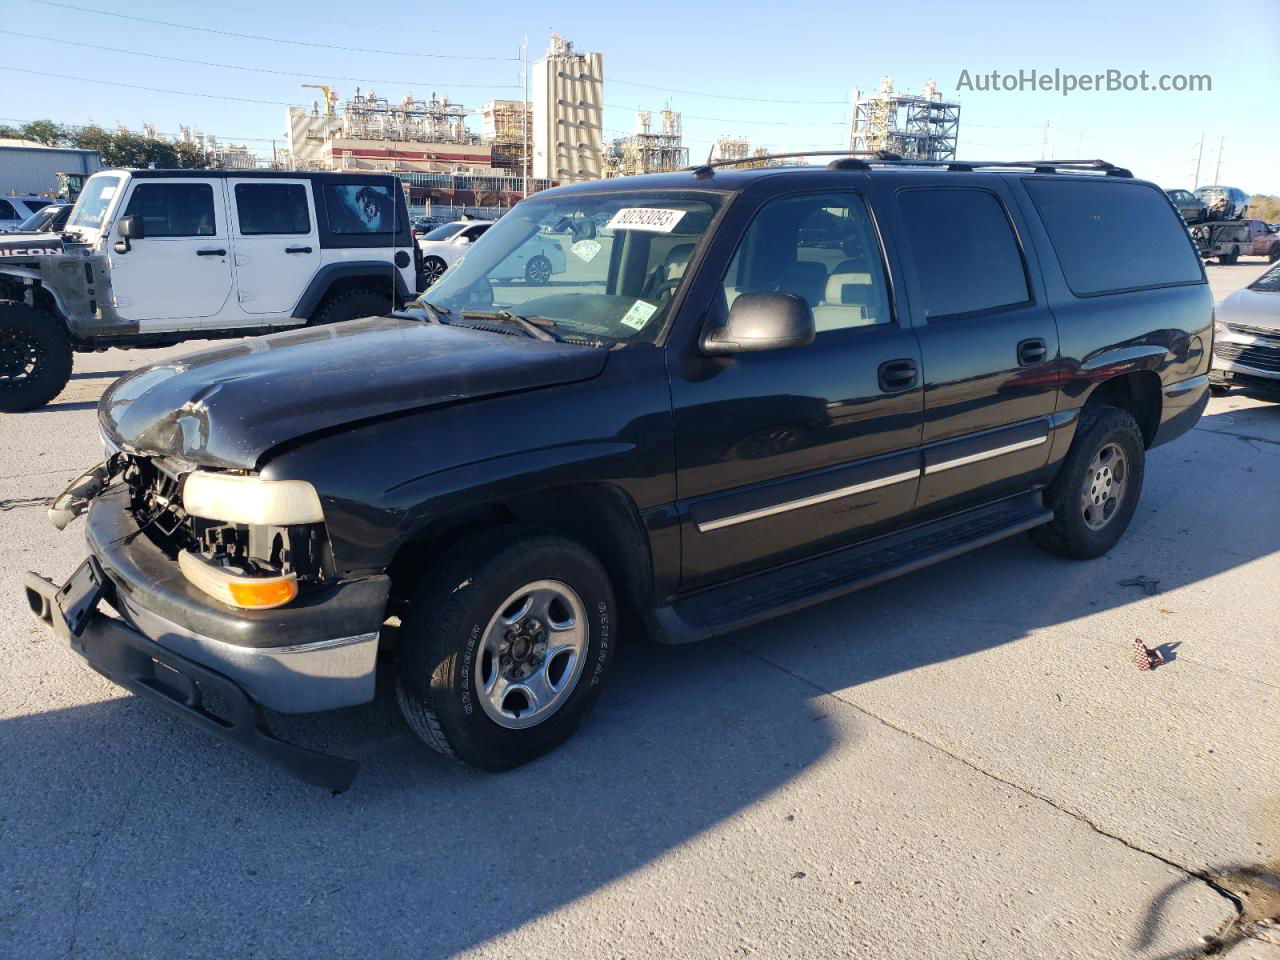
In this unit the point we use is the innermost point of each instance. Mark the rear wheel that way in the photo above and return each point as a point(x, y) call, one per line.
point(351, 305)
point(432, 268)
point(538, 270)
point(1274, 254)
point(35, 357)
point(506, 647)
point(1227, 259)
point(1096, 491)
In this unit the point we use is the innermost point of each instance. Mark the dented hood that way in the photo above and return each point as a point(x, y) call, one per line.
point(228, 406)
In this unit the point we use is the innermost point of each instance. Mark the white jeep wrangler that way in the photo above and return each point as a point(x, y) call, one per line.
point(150, 258)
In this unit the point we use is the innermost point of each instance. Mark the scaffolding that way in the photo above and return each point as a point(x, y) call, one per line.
point(919, 127)
point(366, 116)
point(506, 126)
point(647, 150)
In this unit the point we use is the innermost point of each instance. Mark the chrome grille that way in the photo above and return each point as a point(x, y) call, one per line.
point(1270, 332)
point(1260, 358)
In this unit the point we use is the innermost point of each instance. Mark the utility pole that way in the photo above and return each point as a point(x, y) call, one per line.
point(524, 114)
point(1217, 168)
point(1195, 183)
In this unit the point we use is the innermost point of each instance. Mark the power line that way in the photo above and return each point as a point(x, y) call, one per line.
point(726, 96)
point(135, 86)
point(232, 66)
point(258, 12)
point(254, 36)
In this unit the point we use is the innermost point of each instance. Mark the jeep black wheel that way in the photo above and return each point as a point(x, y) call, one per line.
point(538, 270)
point(35, 357)
point(352, 305)
point(1096, 491)
point(432, 268)
point(506, 647)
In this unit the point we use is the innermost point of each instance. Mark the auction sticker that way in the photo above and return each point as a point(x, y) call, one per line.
point(651, 219)
point(638, 315)
point(585, 250)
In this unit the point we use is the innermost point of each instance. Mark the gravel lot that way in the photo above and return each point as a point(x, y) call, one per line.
point(961, 763)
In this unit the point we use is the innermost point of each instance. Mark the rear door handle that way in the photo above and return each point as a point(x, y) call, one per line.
point(1032, 351)
point(897, 375)
point(297, 249)
point(211, 253)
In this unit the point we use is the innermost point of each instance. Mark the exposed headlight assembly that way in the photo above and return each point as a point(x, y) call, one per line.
point(231, 498)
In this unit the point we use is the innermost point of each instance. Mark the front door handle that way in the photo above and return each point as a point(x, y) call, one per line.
point(898, 375)
point(1031, 352)
point(211, 253)
point(297, 249)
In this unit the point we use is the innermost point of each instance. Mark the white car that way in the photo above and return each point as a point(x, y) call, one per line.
point(535, 261)
point(14, 210)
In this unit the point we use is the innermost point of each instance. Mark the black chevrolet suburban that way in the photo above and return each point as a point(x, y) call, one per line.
point(749, 391)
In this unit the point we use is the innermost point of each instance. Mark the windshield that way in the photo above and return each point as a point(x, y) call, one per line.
point(605, 265)
point(91, 209)
point(1269, 282)
point(445, 232)
point(38, 220)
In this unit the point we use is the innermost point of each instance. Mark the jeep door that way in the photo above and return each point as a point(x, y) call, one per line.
point(785, 453)
point(276, 242)
point(181, 272)
point(988, 340)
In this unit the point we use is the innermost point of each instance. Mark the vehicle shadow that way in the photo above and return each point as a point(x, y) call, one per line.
point(125, 832)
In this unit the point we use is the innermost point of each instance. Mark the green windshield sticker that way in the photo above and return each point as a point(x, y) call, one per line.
point(639, 314)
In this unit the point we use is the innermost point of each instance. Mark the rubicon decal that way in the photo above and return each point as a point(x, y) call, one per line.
point(22, 249)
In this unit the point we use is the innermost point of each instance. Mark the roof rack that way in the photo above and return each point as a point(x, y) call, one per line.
point(866, 159)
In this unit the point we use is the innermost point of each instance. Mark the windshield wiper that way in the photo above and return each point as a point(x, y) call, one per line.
point(540, 328)
point(434, 313)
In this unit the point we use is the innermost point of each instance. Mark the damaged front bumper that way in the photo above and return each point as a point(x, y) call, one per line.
point(215, 666)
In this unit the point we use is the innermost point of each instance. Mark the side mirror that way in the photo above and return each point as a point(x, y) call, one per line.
point(762, 321)
point(132, 228)
point(464, 239)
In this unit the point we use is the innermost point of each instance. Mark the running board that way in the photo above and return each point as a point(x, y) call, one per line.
point(723, 609)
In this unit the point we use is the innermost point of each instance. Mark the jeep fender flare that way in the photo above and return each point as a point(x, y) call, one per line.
point(375, 270)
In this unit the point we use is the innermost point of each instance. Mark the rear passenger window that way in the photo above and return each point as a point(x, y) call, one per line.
point(6, 211)
point(820, 247)
point(965, 252)
point(272, 208)
point(173, 209)
point(1111, 236)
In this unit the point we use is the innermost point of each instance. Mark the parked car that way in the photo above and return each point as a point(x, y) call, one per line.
point(1266, 240)
point(1246, 343)
point(48, 219)
point(162, 256)
point(1189, 206)
point(16, 209)
point(535, 261)
point(1223, 203)
point(724, 419)
point(420, 226)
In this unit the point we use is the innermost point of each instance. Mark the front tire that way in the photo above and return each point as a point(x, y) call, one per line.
point(1096, 491)
point(432, 269)
point(35, 357)
point(506, 647)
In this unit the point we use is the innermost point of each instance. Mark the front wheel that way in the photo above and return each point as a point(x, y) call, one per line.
point(1228, 259)
point(35, 357)
point(506, 647)
point(538, 270)
point(432, 269)
point(1096, 491)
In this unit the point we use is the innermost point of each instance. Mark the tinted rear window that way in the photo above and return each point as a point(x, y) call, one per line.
point(1113, 236)
point(965, 251)
point(272, 208)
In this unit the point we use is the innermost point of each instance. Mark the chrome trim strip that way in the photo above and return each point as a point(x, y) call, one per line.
point(318, 645)
point(984, 455)
point(710, 525)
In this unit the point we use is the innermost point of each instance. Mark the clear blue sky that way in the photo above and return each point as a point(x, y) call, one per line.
point(719, 54)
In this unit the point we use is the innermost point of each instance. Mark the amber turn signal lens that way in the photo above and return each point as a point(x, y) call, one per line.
point(268, 593)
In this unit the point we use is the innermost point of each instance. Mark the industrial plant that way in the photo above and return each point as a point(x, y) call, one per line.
point(921, 127)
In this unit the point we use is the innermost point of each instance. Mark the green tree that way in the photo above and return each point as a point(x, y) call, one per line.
point(44, 131)
point(191, 157)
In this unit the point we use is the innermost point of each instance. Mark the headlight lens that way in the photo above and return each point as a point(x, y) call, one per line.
point(251, 500)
